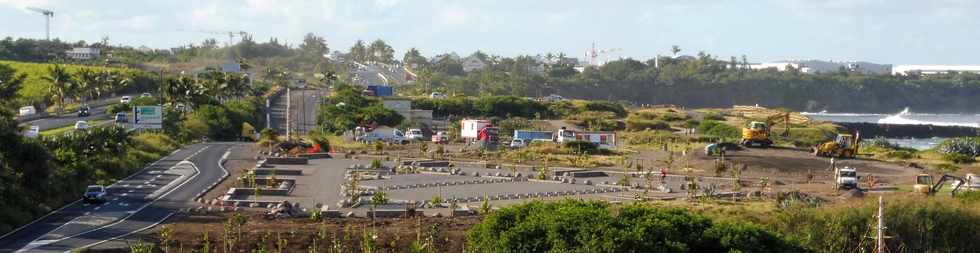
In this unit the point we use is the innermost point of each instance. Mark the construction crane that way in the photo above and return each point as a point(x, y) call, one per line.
point(593, 54)
point(47, 20)
point(231, 34)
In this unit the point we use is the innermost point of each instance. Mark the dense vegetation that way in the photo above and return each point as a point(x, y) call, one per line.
point(578, 226)
point(512, 106)
point(346, 108)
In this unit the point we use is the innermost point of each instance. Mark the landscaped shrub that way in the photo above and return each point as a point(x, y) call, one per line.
point(635, 124)
point(581, 147)
point(963, 146)
point(583, 226)
point(718, 129)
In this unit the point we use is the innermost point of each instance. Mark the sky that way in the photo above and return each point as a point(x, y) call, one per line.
point(882, 31)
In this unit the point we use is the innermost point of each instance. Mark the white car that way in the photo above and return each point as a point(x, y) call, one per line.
point(145, 95)
point(414, 134)
point(27, 110)
point(81, 124)
point(33, 131)
point(125, 99)
point(438, 95)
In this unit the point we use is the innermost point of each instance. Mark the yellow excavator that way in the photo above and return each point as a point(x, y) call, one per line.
point(844, 146)
point(757, 132)
point(924, 185)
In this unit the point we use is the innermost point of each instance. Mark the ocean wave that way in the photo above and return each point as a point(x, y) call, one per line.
point(899, 119)
point(840, 114)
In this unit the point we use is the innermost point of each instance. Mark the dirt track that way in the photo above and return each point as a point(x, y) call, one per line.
point(788, 167)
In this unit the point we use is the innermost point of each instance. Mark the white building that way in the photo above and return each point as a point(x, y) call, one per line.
point(933, 69)
point(403, 106)
point(818, 66)
point(83, 53)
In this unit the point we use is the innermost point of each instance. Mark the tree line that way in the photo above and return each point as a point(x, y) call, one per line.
point(701, 81)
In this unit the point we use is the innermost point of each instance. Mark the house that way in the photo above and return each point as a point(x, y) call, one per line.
point(819, 66)
point(450, 56)
point(473, 62)
point(83, 53)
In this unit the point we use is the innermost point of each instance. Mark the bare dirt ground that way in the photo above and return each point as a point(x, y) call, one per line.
point(789, 168)
point(298, 235)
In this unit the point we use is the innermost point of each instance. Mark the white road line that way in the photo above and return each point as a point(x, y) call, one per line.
point(196, 172)
point(223, 158)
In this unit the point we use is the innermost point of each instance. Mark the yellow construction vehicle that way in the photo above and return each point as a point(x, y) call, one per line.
point(924, 185)
point(844, 146)
point(757, 133)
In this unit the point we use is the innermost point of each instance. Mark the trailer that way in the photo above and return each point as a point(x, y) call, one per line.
point(602, 139)
point(379, 91)
point(524, 137)
point(470, 128)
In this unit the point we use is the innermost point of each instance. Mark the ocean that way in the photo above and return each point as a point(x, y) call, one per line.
point(905, 117)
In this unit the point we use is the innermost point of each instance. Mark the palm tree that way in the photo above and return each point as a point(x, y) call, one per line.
point(61, 85)
point(87, 83)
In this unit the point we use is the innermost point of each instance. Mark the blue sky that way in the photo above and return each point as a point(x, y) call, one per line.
point(885, 31)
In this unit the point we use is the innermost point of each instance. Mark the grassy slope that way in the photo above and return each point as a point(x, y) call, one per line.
point(35, 89)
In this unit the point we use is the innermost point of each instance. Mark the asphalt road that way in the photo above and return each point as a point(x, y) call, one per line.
point(138, 202)
point(97, 112)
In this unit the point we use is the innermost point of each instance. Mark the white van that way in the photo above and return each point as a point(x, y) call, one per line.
point(27, 110)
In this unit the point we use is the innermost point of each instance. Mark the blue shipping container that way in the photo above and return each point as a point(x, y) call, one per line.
point(382, 91)
point(532, 135)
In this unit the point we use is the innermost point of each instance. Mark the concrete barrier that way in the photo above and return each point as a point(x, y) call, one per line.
point(317, 156)
point(287, 160)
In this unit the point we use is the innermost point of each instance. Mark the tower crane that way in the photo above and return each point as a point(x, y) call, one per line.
point(594, 53)
point(47, 20)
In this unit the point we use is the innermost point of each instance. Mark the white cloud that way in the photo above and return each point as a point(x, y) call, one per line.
point(454, 15)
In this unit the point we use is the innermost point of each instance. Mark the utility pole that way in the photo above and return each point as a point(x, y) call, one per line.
point(288, 137)
point(880, 237)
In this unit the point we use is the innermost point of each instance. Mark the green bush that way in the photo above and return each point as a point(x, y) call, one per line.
point(719, 130)
point(915, 224)
point(958, 158)
point(116, 108)
point(633, 124)
point(581, 147)
point(966, 146)
point(714, 116)
point(583, 226)
point(606, 106)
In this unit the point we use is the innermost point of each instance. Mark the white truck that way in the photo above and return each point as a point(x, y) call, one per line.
point(845, 178)
point(385, 134)
point(414, 134)
point(470, 128)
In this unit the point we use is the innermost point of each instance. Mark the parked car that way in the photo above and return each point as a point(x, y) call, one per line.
point(121, 118)
point(145, 95)
point(81, 124)
point(414, 134)
point(125, 99)
point(84, 111)
point(94, 194)
point(438, 95)
point(518, 143)
point(27, 110)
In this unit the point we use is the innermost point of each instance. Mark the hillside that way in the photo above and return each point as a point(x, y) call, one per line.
point(37, 91)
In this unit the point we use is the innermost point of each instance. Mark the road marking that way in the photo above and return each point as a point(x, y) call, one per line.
point(223, 158)
point(196, 173)
point(97, 208)
point(130, 191)
point(86, 214)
